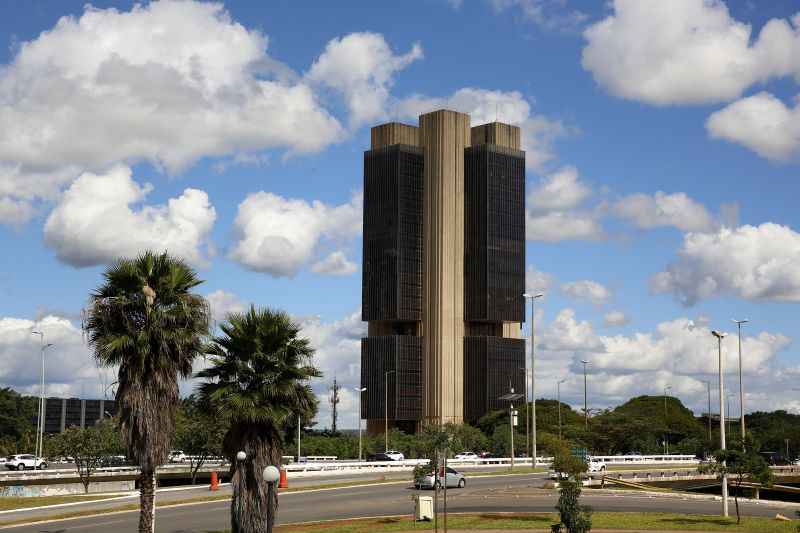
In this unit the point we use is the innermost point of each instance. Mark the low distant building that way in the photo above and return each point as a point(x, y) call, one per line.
point(62, 413)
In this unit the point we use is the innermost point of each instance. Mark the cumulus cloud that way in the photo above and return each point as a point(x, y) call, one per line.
point(615, 318)
point(761, 123)
point(555, 209)
point(537, 281)
point(587, 290)
point(335, 264)
point(548, 14)
point(686, 51)
point(537, 133)
point(680, 353)
point(662, 209)
point(69, 367)
point(167, 82)
point(752, 262)
point(222, 303)
point(361, 66)
point(280, 235)
point(98, 220)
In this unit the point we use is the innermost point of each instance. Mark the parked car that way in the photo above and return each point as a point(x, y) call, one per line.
point(25, 462)
point(177, 456)
point(431, 481)
point(596, 466)
point(467, 455)
point(796, 462)
point(394, 455)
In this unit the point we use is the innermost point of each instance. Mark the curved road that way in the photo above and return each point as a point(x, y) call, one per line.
point(482, 494)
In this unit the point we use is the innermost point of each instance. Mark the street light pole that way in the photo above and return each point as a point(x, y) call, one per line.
point(741, 387)
point(708, 384)
point(386, 410)
point(585, 403)
point(360, 393)
point(299, 425)
point(40, 421)
point(558, 400)
point(533, 298)
point(719, 337)
point(666, 422)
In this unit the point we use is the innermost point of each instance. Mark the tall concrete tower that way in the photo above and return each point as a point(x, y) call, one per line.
point(443, 270)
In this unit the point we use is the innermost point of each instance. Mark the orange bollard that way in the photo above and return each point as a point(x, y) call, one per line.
point(214, 481)
point(284, 483)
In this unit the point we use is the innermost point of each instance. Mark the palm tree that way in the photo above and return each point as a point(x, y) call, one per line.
point(257, 381)
point(145, 320)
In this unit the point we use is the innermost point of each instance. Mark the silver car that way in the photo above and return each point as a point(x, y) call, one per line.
point(454, 480)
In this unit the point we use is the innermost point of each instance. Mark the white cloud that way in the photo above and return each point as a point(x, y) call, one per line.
point(95, 222)
point(335, 264)
point(686, 51)
point(549, 14)
point(361, 67)
point(554, 209)
point(279, 235)
point(752, 262)
point(559, 191)
point(537, 281)
point(70, 370)
point(615, 318)
point(167, 82)
point(587, 290)
point(565, 333)
point(222, 303)
point(761, 123)
point(662, 209)
point(537, 133)
point(563, 225)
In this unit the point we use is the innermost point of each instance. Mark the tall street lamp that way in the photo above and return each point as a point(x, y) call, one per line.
point(360, 391)
point(558, 401)
point(666, 421)
point(741, 387)
point(533, 298)
point(719, 337)
point(386, 410)
point(708, 385)
point(40, 421)
point(511, 397)
point(527, 427)
point(585, 403)
point(271, 476)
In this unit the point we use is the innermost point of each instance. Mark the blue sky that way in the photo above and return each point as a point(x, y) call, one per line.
point(661, 138)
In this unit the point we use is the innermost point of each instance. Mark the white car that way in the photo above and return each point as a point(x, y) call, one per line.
point(596, 466)
point(467, 455)
point(394, 455)
point(25, 462)
point(177, 456)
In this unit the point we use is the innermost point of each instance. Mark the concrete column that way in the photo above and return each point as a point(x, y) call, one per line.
point(63, 414)
point(83, 413)
point(443, 136)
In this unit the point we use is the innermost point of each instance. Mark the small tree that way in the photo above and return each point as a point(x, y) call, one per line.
point(740, 463)
point(88, 446)
point(198, 433)
point(575, 517)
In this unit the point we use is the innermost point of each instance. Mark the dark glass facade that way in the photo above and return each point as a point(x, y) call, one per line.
point(494, 234)
point(403, 355)
point(392, 252)
point(63, 413)
point(490, 365)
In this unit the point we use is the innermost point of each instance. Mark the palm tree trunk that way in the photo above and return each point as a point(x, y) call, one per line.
point(251, 508)
point(147, 497)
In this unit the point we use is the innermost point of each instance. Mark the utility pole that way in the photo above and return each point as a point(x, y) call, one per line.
point(708, 384)
point(360, 391)
point(334, 401)
point(722, 446)
point(585, 402)
point(666, 422)
point(558, 400)
point(386, 410)
point(741, 387)
point(533, 298)
point(42, 403)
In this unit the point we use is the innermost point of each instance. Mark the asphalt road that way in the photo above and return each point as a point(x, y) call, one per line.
point(483, 494)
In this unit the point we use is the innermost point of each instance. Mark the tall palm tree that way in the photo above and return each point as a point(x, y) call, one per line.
point(257, 380)
point(145, 320)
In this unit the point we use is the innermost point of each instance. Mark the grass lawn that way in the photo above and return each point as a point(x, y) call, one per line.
point(20, 502)
point(617, 521)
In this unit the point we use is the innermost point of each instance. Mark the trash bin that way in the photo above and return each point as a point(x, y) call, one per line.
point(423, 508)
